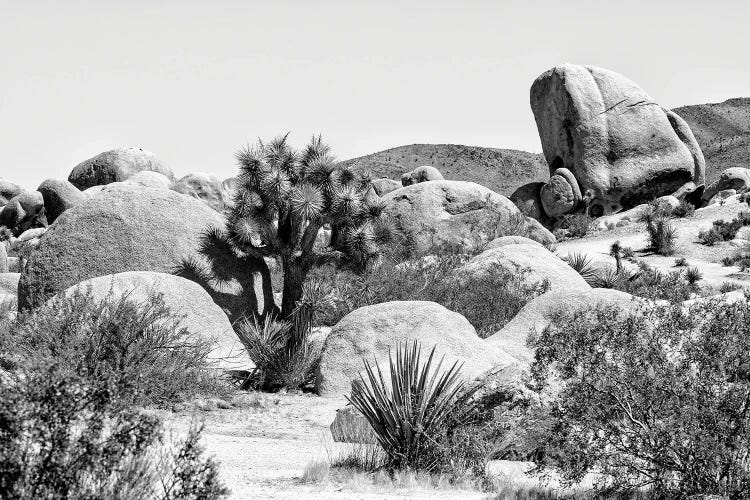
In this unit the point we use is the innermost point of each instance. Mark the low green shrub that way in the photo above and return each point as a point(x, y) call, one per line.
point(684, 209)
point(139, 347)
point(63, 435)
point(488, 304)
point(576, 225)
point(648, 283)
point(724, 231)
point(653, 399)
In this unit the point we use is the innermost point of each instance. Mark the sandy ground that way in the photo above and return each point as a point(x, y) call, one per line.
point(264, 444)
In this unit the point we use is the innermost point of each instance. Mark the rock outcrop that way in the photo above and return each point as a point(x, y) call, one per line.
point(421, 174)
point(369, 333)
point(439, 216)
point(115, 166)
point(59, 196)
point(737, 178)
point(22, 212)
point(537, 314)
point(206, 187)
point(126, 229)
point(531, 261)
point(619, 146)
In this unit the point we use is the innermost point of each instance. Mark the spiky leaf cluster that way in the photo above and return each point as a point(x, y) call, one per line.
point(286, 196)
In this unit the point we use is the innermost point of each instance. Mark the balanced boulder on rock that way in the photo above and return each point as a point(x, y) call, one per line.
point(441, 216)
point(115, 166)
point(370, 333)
point(620, 147)
point(421, 174)
point(127, 229)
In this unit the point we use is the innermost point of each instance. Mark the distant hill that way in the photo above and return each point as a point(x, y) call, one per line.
point(501, 170)
point(723, 133)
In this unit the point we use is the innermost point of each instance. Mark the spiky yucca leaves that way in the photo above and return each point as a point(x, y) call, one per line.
point(286, 196)
point(283, 352)
point(581, 263)
point(407, 413)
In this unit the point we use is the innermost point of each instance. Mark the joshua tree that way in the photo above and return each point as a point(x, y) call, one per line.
point(284, 198)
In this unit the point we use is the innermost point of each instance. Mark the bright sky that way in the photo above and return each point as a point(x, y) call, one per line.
point(194, 80)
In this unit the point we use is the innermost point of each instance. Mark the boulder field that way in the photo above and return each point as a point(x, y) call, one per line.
point(124, 229)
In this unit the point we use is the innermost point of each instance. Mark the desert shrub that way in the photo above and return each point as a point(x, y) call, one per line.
point(67, 436)
point(728, 286)
point(628, 253)
point(656, 398)
point(648, 283)
point(661, 235)
point(488, 304)
point(722, 230)
point(680, 262)
point(139, 347)
point(576, 225)
point(417, 396)
point(684, 209)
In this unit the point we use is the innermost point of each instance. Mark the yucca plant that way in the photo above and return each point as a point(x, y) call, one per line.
point(581, 263)
point(408, 409)
point(615, 251)
point(284, 198)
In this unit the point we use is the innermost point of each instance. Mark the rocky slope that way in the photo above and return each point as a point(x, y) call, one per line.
point(501, 170)
point(723, 132)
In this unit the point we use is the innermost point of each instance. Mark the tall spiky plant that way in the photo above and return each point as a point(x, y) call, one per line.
point(284, 198)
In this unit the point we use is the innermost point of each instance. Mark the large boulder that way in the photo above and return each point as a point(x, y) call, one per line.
point(440, 216)
point(115, 166)
point(22, 212)
point(8, 191)
point(537, 315)
point(528, 200)
point(127, 229)
point(59, 196)
point(532, 261)
point(385, 185)
point(206, 187)
point(370, 333)
point(421, 174)
point(621, 147)
point(188, 303)
point(737, 178)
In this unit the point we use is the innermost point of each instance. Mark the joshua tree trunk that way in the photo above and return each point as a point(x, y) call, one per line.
point(294, 278)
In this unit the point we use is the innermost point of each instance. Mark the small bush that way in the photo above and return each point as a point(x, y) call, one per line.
point(648, 283)
point(577, 225)
point(66, 436)
point(653, 399)
point(710, 237)
point(139, 347)
point(724, 231)
point(680, 262)
point(727, 287)
point(662, 235)
point(488, 304)
point(627, 253)
point(684, 209)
